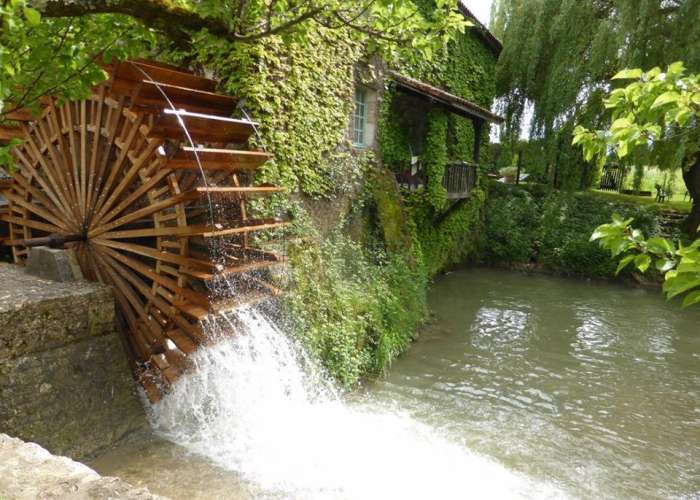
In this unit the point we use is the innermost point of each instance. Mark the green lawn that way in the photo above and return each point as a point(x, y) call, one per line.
point(676, 204)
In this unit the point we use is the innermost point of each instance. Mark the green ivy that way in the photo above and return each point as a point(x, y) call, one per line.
point(357, 299)
point(446, 232)
point(302, 95)
point(435, 157)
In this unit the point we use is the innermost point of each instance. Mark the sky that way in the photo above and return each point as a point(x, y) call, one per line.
point(480, 8)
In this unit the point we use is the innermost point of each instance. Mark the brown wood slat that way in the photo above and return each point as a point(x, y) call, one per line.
point(202, 127)
point(187, 231)
point(233, 191)
point(217, 159)
point(149, 96)
point(182, 341)
point(128, 71)
point(237, 269)
point(192, 310)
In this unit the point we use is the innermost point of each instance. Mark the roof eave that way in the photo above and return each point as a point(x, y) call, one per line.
point(481, 30)
point(453, 103)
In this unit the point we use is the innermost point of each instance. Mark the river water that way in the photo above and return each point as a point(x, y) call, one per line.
point(521, 387)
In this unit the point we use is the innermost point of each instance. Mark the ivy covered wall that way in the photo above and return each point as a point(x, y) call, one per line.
point(358, 285)
point(447, 231)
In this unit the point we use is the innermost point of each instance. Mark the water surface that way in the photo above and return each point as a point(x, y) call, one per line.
point(521, 387)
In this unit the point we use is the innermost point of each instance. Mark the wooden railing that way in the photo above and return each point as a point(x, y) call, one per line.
point(459, 180)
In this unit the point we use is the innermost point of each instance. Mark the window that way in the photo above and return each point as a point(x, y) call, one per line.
point(359, 118)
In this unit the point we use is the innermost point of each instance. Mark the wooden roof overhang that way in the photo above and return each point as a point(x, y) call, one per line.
point(451, 102)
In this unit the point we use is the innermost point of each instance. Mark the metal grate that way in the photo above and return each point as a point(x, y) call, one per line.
point(459, 179)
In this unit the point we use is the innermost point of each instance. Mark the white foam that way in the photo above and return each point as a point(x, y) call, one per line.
point(257, 405)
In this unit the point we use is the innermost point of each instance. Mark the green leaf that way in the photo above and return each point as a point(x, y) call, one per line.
point(691, 299)
point(659, 246)
point(624, 263)
point(676, 68)
point(666, 98)
point(32, 15)
point(622, 149)
point(679, 283)
point(620, 123)
point(664, 265)
point(628, 74)
point(642, 262)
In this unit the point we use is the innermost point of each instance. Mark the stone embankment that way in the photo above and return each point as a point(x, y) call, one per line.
point(65, 381)
point(29, 472)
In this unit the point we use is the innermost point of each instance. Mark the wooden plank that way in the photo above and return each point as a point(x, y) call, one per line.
point(47, 187)
point(8, 133)
point(37, 210)
point(25, 185)
point(192, 310)
point(227, 271)
point(217, 159)
point(137, 71)
point(155, 254)
point(139, 214)
point(116, 167)
point(150, 95)
point(50, 168)
point(19, 115)
point(23, 221)
point(128, 177)
point(202, 127)
point(133, 197)
point(148, 272)
point(237, 190)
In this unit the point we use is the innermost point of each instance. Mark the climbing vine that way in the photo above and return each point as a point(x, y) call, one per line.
point(359, 289)
point(446, 232)
point(435, 158)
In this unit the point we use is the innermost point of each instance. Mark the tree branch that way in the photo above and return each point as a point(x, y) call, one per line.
point(164, 16)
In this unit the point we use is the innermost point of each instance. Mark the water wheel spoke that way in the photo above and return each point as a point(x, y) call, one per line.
point(36, 209)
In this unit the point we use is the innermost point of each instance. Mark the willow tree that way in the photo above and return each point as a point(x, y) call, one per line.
point(559, 55)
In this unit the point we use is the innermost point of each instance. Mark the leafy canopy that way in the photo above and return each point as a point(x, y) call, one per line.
point(40, 56)
point(654, 120)
point(55, 47)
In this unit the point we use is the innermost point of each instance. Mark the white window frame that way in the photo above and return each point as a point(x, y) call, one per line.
point(358, 128)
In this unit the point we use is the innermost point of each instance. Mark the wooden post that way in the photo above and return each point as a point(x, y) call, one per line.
point(520, 166)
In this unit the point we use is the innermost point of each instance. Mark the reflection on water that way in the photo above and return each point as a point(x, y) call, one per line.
point(588, 389)
point(593, 386)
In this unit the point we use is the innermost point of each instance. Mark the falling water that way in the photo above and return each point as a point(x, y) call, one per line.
point(256, 404)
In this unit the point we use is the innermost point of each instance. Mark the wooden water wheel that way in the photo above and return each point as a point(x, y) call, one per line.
point(149, 181)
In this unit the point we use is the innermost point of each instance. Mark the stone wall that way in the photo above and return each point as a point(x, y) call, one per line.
point(29, 472)
point(65, 382)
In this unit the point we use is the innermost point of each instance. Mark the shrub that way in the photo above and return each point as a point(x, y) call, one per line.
point(553, 228)
point(511, 225)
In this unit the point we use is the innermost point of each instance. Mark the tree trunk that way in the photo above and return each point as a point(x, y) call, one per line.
point(691, 177)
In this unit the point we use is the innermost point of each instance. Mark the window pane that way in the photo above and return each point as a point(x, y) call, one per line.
point(359, 117)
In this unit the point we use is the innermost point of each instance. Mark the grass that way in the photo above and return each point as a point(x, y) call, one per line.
point(676, 204)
